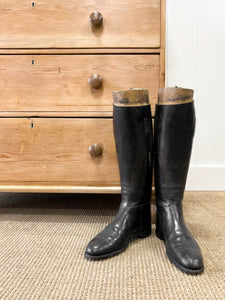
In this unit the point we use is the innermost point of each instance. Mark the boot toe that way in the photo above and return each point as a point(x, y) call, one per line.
point(101, 247)
point(187, 260)
point(95, 248)
point(192, 260)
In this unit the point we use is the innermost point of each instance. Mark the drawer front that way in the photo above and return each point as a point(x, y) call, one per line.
point(57, 150)
point(65, 24)
point(60, 82)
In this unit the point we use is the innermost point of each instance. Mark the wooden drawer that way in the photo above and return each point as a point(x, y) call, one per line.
point(57, 150)
point(65, 24)
point(60, 82)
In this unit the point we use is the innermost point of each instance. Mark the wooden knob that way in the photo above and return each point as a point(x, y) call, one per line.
point(95, 81)
point(96, 19)
point(95, 150)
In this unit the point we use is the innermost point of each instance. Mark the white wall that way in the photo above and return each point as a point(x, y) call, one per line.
point(195, 58)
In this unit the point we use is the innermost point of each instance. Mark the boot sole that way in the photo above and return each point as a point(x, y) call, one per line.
point(116, 252)
point(179, 266)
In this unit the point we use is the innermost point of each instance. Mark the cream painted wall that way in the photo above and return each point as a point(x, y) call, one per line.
point(195, 58)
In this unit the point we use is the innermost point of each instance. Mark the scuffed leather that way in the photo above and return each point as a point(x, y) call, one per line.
point(174, 131)
point(126, 226)
point(133, 137)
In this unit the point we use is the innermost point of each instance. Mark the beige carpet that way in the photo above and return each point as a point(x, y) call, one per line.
point(43, 238)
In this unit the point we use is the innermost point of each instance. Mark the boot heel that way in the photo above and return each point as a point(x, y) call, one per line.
point(145, 224)
point(159, 235)
point(143, 235)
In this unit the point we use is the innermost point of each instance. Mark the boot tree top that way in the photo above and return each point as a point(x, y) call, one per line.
point(132, 97)
point(175, 95)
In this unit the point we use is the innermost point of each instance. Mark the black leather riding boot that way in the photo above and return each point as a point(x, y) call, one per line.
point(174, 130)
point(132, 126)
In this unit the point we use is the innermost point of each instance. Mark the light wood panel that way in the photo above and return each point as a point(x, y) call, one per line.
point(70, 114)
point(65, 24)
point(57, 149)
point(109, 50)
point(53, 83)
point(60, 187)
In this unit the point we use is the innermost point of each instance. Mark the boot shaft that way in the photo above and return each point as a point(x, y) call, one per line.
point(132, 125)
point(174, 130)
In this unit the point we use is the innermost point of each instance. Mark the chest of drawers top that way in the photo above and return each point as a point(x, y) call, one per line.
point(67, 24)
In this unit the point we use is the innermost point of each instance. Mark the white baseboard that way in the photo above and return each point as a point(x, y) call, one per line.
point(206, 178)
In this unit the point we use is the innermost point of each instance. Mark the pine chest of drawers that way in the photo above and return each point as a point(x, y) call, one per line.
point(59, 63)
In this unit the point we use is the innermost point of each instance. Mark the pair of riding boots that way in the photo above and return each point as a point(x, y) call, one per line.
point(174, 127)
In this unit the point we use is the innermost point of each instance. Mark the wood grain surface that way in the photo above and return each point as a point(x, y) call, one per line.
point(52, 83)
point(57, 149)
point(49, 114)
point(65, 24)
